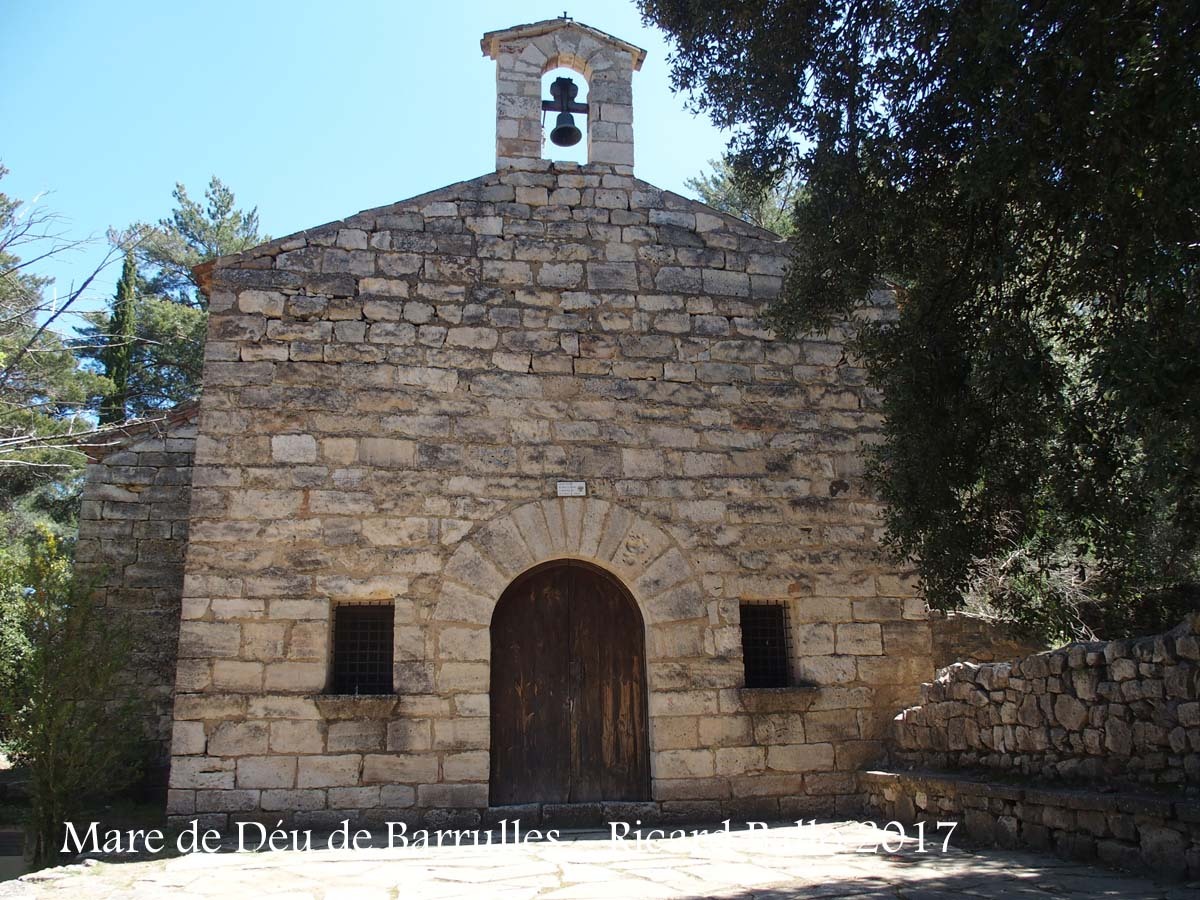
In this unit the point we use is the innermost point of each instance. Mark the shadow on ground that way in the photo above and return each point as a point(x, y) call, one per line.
point(822, 860)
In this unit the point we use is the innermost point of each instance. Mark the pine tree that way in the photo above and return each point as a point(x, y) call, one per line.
point(117, 355)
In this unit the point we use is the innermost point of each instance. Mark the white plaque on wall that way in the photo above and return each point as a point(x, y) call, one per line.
point(572, 489)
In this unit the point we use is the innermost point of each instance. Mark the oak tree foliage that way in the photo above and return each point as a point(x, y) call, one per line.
point(1025, 176)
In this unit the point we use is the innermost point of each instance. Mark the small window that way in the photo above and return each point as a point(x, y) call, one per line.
point(766, 645)
point(362, 648)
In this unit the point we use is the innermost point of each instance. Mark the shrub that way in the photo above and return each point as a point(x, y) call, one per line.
point(66, 714)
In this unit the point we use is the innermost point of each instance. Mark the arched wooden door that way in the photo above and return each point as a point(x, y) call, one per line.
point(569, 721)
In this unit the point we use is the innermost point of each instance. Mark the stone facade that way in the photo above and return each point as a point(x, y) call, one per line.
point(1124, 711)
point(388, 404)
point(389, 401)
point(133, 529)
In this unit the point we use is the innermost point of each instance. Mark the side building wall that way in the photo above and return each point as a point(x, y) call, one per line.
point(133, 531)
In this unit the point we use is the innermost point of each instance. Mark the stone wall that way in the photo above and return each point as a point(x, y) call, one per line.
point(960, 637)
point(388, 403)
point(1122, 711)
point(133, 529)
point(1125, 830)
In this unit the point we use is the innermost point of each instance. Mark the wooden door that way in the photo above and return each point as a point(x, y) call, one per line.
point(569, 719)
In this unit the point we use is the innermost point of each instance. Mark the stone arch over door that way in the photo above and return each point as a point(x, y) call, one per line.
point(643, 557)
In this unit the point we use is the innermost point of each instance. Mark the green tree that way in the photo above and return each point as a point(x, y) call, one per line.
point(745, 197)
point(1025, 177)
point(192, 234)
point(66, 716)
point(172, 317)
point(166, 355)
point(43, 392)
point(117, 354)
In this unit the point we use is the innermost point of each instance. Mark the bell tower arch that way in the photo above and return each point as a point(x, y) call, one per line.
point(526, 52)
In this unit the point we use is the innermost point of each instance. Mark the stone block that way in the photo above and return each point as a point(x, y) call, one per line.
point(202, 773)
point(296, 736)
point(740, 760)
point(801, 757)
point(238, 739)
point(860, 639)
point(397, 796)
point(209, 706)
point(266, 772)
point(409, 735)
point(227, 801)
point(460, 734)
point(354, 797)
point(469, 766)
point(292, 800)
point(386, 452)
point(831, 670)
point(722, 731)
point(301, 677)
point(355, 735)
point(814, 640)
point(464, 643)
point(832, 725)
point(294, 448)
point(187, 738)
point(205, 640)
point(237, 675)
point(403, 768)
point(683, 764)
point(282, 706)
point(328, 771)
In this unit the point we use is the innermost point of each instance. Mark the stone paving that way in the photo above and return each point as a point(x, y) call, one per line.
point(815, 861)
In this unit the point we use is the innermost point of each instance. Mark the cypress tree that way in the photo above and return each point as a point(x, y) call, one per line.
point(118, 351)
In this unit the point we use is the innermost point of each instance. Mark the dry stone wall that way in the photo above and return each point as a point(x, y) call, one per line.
point(1125, 830)
point(133, 530)
point(1123, 711)
point(388, 403)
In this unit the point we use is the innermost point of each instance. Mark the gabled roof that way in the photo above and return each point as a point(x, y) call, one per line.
point(257, 257)
point(491, 41)
point(100, 443)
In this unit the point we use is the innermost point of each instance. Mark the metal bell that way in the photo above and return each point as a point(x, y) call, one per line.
point(565, 134)
point(564, 92)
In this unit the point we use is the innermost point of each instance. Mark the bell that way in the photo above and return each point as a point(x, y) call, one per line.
point(565, 134)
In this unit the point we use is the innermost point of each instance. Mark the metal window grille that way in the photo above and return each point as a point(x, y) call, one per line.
point(362, 648)
point(766, 645)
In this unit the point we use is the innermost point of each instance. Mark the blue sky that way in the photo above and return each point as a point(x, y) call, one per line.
point(310, 111)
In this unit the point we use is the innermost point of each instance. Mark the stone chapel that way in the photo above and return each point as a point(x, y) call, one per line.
point(502, 501)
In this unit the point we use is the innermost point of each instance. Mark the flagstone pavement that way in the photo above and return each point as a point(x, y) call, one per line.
point(822, 860)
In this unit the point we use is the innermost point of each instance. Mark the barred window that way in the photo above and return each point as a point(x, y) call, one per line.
point(362, 648)
point(766, 645)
